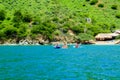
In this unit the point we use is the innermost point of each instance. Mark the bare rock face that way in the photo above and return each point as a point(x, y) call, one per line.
point(1, 42)
point(70, 32)
point(88, 42)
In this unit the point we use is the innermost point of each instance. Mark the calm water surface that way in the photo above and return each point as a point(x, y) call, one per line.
point(89, 62)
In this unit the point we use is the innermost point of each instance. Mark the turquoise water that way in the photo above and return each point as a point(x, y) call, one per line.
point(89, 62)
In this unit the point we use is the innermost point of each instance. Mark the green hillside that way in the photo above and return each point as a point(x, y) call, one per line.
point(48, 19)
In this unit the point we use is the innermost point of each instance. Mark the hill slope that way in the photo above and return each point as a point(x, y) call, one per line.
point(48, 19)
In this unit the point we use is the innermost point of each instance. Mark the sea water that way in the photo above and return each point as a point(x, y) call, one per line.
point(88, 62)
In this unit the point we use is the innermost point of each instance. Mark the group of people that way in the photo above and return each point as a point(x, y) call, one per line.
point(65, 45)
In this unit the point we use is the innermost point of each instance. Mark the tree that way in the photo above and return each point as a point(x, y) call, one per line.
point(101, 5)
point(82, 37)
point(114, 7)
point(46, 29)
point(27, 18)
point(93, 2)
point(87, 0)
point(22, 32)
point(2, 35)
point(117, 15)
point(95, 29)
point(2, 15)
point(17, 16)
point(78, 29)
point(10, 32)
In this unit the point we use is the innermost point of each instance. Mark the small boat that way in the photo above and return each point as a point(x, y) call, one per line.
point(57, 47)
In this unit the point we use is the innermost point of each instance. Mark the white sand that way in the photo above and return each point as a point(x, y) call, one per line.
point(111, 42)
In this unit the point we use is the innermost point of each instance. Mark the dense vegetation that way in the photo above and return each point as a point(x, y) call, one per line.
point(21, 19)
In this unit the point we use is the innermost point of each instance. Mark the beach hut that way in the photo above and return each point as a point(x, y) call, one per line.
point(103, 37)
point(114, 34)
point(106, 36)
point(117, 32)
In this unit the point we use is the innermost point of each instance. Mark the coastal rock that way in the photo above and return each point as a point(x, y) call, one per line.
point(23, 42)
point(88, 42)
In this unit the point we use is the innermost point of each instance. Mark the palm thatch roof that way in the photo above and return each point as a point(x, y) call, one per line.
point(117, 31)
point(105, 36)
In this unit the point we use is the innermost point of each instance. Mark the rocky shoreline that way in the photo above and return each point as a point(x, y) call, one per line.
point(24, 42)
point(42, 42)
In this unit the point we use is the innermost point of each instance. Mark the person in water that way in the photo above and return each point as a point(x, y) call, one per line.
point(65, 45)
point(57, 45)
point(77, 45)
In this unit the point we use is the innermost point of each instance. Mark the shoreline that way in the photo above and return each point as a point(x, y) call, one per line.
point(105, 43)
point(109, 42)
point(96, 43)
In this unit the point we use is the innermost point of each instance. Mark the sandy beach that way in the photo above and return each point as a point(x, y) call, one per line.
point(111, 42)
point(104, 42)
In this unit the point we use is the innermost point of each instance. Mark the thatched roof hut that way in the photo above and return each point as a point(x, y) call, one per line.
point(117, 32)
point(105, 36)
point(114, 34)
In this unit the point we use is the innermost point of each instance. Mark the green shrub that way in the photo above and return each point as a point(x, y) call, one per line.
point(78, 29)
point(95, 30)
point(36, 29)
point(93, 2)
point(2, 6)
point(57, 32)
point(65, 29)
point(87, 0)
point(113, 27)
point(22, 31)
point(27, 18)
point(55, 19)
point(10, 32)
point(117, 15)
point(46, 29)
point(114, 7)
point(32, 36)
point(101, 5)
point(2, 15)
point(84, 37)
point(118, 37)
point(2, 35)
point(17, 16)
